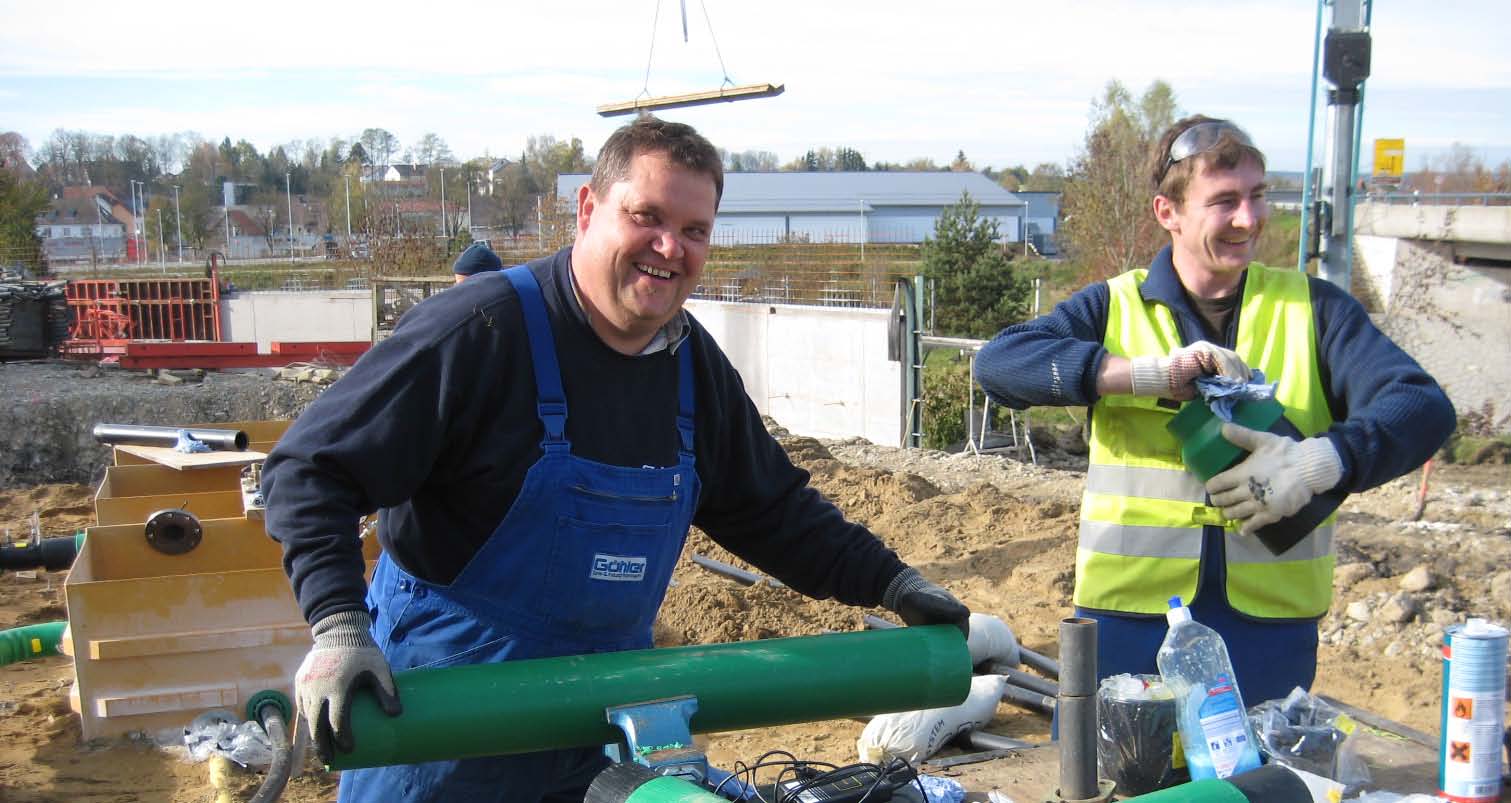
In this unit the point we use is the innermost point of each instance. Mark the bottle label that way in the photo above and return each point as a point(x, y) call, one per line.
point(1223, 726)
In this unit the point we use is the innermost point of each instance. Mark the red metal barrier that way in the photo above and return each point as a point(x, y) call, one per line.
point(141, 309)
point(140, 355)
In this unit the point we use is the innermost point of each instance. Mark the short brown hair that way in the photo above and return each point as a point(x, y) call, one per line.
point(1171, 179)
point(681, 143)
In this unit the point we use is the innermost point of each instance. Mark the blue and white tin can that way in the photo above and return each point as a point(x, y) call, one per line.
point(1474, 712)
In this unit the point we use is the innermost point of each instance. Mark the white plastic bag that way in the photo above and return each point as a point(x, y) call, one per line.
point(916, 735)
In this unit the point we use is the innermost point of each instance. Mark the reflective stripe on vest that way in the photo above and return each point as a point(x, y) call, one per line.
point(1142, 513)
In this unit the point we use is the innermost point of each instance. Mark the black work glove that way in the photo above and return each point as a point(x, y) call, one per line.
point(345, 658)
point(920, 602)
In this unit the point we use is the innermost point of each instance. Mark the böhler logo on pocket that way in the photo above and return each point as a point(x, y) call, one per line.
point(618, 568)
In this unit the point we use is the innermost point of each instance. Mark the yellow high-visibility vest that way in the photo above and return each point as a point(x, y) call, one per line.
point(1142, 512)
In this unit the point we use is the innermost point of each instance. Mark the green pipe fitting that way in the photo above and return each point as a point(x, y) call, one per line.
point(1203, 448)
point(1211, 790)
point(632, 783)
point(1272, 783)
point(551, 703)
point(31, 641)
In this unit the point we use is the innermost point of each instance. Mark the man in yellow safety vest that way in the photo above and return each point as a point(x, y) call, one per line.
point(1131, 349)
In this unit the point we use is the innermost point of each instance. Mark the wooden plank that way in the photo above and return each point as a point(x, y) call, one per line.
point(163, 455)
point(720, 95)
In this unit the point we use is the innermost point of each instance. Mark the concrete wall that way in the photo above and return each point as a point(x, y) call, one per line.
point(819, 371)
point(1454, 319)
point(294, 317)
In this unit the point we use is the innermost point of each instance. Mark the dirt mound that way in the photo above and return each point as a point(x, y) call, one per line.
point(999, 533)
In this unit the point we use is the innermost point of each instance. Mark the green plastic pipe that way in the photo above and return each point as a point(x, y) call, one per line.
point(1211, 790)
point(31, 641)
point(633, 783)
point(550, 703)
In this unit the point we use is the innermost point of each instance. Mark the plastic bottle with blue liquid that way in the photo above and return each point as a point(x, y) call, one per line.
point(1214, 725)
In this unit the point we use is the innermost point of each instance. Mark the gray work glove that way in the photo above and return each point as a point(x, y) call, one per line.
point(1276, 480)
point(1174, 376)
point(344, 659)
point(920, 602)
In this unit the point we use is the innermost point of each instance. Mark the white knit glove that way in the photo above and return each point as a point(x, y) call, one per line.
point(344, 659)
point(1276, 480)
point(1174, 376)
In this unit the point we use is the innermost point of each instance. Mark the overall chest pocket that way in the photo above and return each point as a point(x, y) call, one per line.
point(607, 576)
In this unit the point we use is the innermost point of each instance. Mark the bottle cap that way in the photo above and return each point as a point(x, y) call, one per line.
point(1178, 613)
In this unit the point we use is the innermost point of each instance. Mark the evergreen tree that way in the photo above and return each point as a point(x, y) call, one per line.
point(977, 292)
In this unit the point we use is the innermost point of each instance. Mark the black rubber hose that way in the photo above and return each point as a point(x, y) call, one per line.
point(270, 714)
point(53, 554)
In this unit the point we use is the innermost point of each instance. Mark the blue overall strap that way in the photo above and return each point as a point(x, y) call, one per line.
point(550, 401)
point(685, 395)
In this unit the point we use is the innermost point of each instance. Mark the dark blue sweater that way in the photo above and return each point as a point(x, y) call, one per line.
point(1389, 415)
point(436, 426)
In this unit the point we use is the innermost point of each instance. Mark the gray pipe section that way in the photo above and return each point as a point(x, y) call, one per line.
point(1028, 698)
point(981, 740)
point(1018, 677)
point(1043, 663)
point(224, 440)
point(734, 573)
point(1078, 709)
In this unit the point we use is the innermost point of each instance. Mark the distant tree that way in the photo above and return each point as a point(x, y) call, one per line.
point(21, 201)
point(977, 292)
point(358, 155)
point(1460, 169)
point(1047, 177)
point(431, 149)
point(379, 145)
point(515, 196)
point(922, 164)
point(749, 161)
point(196, 206)
point(13, 153)
point(546, 158)
point(1108, 227)
point(1010, 179)
point(849, 159)
point(961, 164)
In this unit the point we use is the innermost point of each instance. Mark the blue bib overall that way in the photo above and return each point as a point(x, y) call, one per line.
point(578, 565)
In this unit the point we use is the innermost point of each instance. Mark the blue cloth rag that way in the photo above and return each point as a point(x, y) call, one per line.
point(942, 790)
point(1222, 393)
point(189, 444)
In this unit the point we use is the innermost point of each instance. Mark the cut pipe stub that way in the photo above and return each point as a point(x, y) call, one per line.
point(173, 531)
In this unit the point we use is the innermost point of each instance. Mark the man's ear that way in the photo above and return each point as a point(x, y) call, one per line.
point(1167, 213)
point(587, 203)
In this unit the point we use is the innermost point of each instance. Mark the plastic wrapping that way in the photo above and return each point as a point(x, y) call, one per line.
point(219, 733)
point(1137, 744)
point(1304, 732)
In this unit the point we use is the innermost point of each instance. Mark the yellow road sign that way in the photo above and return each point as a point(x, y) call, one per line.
point(1390, 157)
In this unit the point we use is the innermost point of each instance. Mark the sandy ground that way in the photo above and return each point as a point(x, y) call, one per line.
point(1000, 533)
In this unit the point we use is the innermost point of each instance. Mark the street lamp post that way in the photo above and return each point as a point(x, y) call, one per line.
point(288, 192)
point(347, 180)
point(469, 205)
point(178, 226)
point(445, 229)
point(136, 219)
point(162, 251)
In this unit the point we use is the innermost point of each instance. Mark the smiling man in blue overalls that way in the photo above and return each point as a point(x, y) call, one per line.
point(539, 441)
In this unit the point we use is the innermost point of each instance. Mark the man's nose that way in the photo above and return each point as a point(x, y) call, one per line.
point(668, 244)
point(1245, 215)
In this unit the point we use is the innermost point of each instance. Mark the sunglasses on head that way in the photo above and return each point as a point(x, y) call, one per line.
point(1201, 138)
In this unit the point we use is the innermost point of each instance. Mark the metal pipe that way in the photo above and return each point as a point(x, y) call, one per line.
point(1078, 709)
point(733, 572)
point(549, 703)
point(981, 740)
point(1018, 677)
point(1039, 661)
point(225, 440)
point(1028, 698)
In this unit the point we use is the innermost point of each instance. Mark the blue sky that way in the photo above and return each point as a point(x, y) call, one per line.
point(1007, 82)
